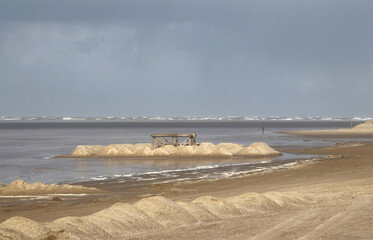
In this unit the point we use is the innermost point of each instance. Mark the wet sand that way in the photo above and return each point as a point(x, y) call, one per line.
point(328, 199)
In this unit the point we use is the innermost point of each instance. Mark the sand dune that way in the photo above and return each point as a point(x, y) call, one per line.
point(302, 214)
point(20, 187)
point(202, 150)
point(121, 221)
point(367, 126)
point(361, 130)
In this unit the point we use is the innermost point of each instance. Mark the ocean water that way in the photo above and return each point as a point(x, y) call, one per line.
point(27, 145)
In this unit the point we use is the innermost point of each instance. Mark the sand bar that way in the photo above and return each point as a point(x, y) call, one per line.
point(146, 150)
point(21, 187)
point(364, 130)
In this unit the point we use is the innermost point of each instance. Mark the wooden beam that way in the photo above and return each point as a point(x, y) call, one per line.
point(162, 139)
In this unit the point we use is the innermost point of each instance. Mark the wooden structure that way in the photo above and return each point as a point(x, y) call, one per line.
point(162, 139)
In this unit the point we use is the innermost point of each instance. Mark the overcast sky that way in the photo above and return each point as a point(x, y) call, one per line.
point(186, 58)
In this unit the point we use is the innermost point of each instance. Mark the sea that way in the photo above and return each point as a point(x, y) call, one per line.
point(28, 145)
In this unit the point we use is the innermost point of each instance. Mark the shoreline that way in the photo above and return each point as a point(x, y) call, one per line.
point(336, 182)
point(258, 162)
point(222, 170)
point(331, 134)
point(226, 168)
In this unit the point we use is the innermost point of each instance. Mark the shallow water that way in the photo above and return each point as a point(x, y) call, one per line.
point(26, 148)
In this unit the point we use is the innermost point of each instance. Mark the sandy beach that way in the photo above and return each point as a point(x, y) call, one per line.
point(328, 199)
point(187, 120)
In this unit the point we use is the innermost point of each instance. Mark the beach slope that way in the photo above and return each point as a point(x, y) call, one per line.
point(329, 199)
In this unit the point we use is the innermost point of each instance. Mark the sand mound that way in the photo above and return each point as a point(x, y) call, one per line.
point(81, 226)
point(122, 217)
point(251, 202)
point(202, 150)
point(25, 226)
point(19, 187)
point(165, 211)
point(199, 212)
point(87, 150)
point(257, 149)
point(219, 207)
point(367, 126)
point(288, 198)
point(121, 221)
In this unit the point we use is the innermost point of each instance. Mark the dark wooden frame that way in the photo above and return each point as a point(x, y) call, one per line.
point(162, 139)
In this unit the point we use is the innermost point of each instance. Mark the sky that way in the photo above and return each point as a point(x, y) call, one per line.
point(186, 58)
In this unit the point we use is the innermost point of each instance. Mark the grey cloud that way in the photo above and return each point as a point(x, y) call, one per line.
point(197, 57)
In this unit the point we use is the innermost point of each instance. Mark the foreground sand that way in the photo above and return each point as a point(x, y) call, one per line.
point(331, 199)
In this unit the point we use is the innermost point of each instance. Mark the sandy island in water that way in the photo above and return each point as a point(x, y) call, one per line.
point(359, 131)
point(328, 199)
point(145, 150)
point(20, 187)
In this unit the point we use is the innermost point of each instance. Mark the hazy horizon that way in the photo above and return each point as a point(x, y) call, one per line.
point(176, 118)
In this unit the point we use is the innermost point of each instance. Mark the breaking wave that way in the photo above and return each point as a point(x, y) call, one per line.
point(187, 118)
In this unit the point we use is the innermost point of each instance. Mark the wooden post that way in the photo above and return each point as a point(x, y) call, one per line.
point(174, 141)
point(192, 141)
point(157, 142)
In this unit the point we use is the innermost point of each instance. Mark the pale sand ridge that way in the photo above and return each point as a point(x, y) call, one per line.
point(122, 220)
point(20, 187)
point(367, 126)
point(361, 130)
point(202, 150)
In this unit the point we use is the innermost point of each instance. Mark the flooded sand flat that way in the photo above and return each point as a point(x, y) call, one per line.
point(26, 147)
